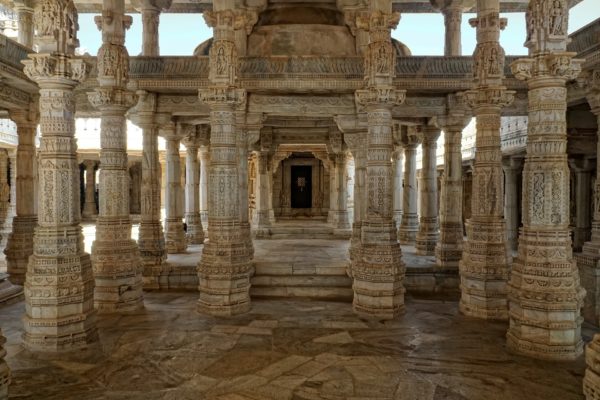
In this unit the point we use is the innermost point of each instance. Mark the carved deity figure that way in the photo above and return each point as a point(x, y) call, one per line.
point(557, 18)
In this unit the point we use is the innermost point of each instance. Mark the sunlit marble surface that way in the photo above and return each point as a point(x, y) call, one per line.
point(300, 350)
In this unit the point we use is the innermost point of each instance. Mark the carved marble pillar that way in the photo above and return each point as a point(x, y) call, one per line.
point(195, 234)
point(204, 164)
point(175, 240)
point(89, 206)
point(409, 226)
point(4, 197)
point(242, 153)
point(264, 216)
point(545, 293)
point(398, 166)
point(12, 208)
point(115, 255)
point(588, 261)
point(428, 233)
point(448, 250)
point(25, 25)
point(150, 22)
point(452, 22)
point(151, 240)
point(338, 213)
point(4, 370)
point(225, 268)
point(20, 241)
point(511, 166)
point(59, 284)
point(484, 268)
point(583, 181)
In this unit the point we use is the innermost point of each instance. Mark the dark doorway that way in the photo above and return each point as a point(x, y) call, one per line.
point(301, 186)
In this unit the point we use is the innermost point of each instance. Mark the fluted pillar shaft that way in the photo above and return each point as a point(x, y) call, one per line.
point(175, 240)
point(20, 241)
point(195, 233)
point(428, 233)
point(409, 224)
point(544, 290)
point(448, 250)
point(89, 206)
point(398, 165)
point(357, 144)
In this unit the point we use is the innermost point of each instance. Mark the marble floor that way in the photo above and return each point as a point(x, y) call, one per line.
point(283, 349)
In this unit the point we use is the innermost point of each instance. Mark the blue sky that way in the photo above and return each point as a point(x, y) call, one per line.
point(422, 33)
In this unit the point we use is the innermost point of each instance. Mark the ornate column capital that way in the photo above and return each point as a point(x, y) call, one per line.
point(512, 163)
point(380, 97)
point(109, 98)
point(491, 96)
point(223, 96)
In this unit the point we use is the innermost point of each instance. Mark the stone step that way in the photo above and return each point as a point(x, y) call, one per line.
point(315, 281)
point(282, 268)
point(320, 293)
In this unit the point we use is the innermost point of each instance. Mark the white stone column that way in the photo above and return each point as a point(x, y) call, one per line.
point(428, 233)
point(20, 241)
point(379, 274)
point(59, 284)
point(452, 22)
point(511, 166)
point(151, 239)
point(89, 206)
point(409, 226)
point(195, 234)
point(338, 200)
point(263, 216)
point(204, 164)
point(242, 140)
point(484, 267)
point(544, 290)
point(5, 378)
point(398, 166)
point(115, 255)
point(25, 25)
point(4, 197)
point(150, 23)
point(583, 181)
point(175, 240)
point(448, 250)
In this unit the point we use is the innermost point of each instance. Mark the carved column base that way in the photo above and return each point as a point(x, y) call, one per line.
point(338, 219)
point(484, 271)
point(195, 233)
point(378, 277)
point(397, 218)
point(588, 264)
point(59, 293)
point(175, 241)
point(591, 380)
point(427, 236)
point(224, 275)
point(545, 298)
point(449, 248)
point(407, 234)
point(4, 371)
point(117, 267)
point(151, 242)
point(9, 293)
point(19, 247)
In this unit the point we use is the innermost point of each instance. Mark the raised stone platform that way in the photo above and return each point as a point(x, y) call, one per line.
point(9, 293)
point(304, 229)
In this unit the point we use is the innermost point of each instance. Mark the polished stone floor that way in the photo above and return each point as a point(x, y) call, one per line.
point(283, 349)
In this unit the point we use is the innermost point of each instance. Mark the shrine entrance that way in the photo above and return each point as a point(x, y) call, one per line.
point(301, 186)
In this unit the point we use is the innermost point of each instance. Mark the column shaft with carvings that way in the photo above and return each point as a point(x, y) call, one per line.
point(448, 250)
point(398, 166)
point(242, 130)
point(89, 206)
point(20, 241)
point(263, 217)
point(4, 197)
point(484, 267)
point(338, 213)
point(583, 181)
point(195, 234)
point(428, 233)
point(59, 284)
point(204, 164)
point(25, 25)
point(115, 255)
point(545, 293)
point(175, 240)
point(409, 226)
point(151, 240)
point(379, 274)
point(224, 270)
point(512, 166)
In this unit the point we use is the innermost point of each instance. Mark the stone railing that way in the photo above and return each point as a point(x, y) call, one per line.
point(8, 132)
point(11, 53)
point(585, 40)
point(168, 67)
point(441, 67)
